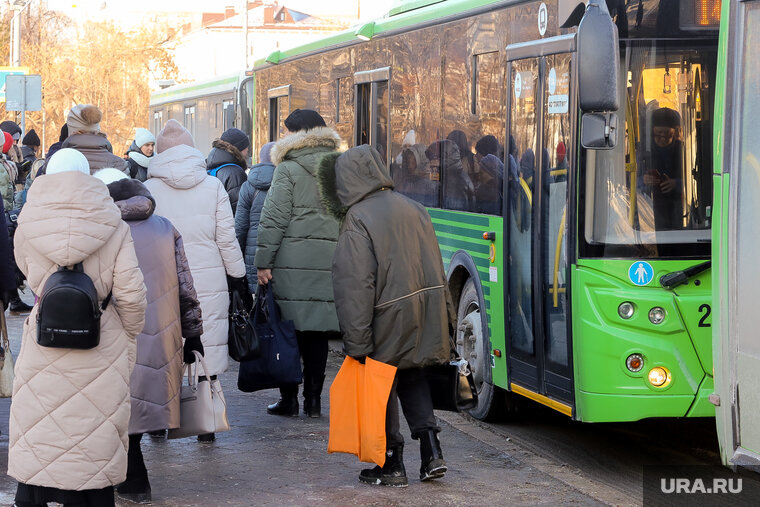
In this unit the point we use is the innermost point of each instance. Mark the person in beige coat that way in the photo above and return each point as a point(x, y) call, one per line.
point(85, 136)
point(70, 411)
point(199, 207)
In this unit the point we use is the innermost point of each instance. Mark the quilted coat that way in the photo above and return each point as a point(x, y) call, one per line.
point(70, 410)
point(98, 151)
point(296, 237)
point(390, 287)
point(173, 310)
point(199, 207)
point(248, 213)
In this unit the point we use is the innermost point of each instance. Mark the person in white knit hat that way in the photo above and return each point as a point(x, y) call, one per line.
point(140, 152)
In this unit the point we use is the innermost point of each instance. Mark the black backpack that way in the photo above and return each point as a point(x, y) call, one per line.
point(68, 315)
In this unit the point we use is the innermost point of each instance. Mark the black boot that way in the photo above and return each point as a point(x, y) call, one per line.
point(312, 392)
point(18, 307)
point(392, 473)
point(136, 488)
point(288, 404)
point(431, 457)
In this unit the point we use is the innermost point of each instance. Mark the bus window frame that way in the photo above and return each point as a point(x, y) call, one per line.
point(274, 95)
point(372, 78)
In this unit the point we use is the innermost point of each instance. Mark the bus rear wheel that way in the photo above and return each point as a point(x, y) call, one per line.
point(473, 346)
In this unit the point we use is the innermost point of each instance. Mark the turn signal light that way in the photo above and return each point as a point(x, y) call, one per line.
point(635, 363)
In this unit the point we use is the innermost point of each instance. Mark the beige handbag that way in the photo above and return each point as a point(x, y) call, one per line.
point(203, 408)
point(6, 369)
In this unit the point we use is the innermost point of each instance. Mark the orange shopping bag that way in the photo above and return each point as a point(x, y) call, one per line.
point(358, 399)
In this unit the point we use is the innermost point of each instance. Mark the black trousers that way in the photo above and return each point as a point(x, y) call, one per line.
point(410, 388)
point(137, 473)
point(312, 345)
point(38, 496)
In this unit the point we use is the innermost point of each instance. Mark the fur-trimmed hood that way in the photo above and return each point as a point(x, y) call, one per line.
point(324, 137)
point(133, 199)
point(345, 179)
point(222, 153)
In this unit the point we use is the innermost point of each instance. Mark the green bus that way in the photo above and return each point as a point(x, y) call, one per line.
point(736, 242)
point(568, 176)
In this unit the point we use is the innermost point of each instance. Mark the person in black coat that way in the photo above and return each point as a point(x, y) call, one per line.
point(7, 264)
point(227, 161)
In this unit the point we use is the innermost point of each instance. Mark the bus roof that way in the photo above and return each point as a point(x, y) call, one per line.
point(195, 89)
point(403, 16)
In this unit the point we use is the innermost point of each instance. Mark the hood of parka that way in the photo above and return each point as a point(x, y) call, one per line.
point(222, 153)
point(180, 166)
point(133, 199)
point(68, 216)
point(345, 179)
point(288, 147)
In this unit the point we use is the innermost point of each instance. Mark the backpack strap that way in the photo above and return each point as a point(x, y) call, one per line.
point(213, 172)
point(105, 302)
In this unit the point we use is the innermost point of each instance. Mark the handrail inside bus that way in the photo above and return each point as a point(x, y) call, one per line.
point(557, 252)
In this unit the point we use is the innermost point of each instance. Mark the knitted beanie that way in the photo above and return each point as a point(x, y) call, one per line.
point(236, 138)
point(7, 142)
point(84, 118)
point(67, 160)
point(31, 139)
point(173, 134)
point(265, 153)
point(143, 137)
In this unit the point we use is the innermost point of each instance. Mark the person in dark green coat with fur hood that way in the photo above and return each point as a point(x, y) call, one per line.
point(392, 297)
point(296, 240)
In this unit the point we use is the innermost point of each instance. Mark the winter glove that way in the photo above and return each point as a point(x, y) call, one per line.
point(361, 359)
point(192, 343)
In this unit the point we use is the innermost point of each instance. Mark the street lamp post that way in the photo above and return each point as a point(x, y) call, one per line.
point(18, 7)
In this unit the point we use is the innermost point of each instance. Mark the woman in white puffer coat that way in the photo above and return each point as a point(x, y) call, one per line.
point(199, 207)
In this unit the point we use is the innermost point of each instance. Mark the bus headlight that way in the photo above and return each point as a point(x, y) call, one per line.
point(625, 310)
point(635, 363)
point(656, 315)
point(659, 376)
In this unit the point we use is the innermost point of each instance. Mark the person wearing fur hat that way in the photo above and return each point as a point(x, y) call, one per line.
point(173, 311)
point(199, 207)
point(252, 195)
point(139, 153)
point(83, 122)
point(392, 297)
point(227, 161)
point(296, 240)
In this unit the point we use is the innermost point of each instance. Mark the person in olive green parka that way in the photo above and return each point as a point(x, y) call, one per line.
point(296, 241)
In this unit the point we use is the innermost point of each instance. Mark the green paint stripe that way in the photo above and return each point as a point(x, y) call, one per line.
point(474, 234)
point(459, 217)
point(186, 89)
point(463, 244)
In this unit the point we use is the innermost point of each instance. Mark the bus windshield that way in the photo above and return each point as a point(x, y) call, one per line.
point(652, 195)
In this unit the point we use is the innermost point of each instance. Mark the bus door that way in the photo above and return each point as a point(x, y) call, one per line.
point(736, 244)
point(540, 124)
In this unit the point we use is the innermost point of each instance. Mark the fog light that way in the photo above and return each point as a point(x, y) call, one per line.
point(656, 315)
point(659, 376)
point(625, 310)
point(635, 362)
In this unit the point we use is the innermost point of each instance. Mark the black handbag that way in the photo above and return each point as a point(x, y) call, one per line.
point(280, 360)
point(242, 342)
point(452, 386)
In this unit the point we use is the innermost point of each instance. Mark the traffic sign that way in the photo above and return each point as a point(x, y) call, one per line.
point(23, 93)
point(9, 71)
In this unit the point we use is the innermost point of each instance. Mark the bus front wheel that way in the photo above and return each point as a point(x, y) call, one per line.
point(473, 346)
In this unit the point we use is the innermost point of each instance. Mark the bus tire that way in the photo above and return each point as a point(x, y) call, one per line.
point(473, 345)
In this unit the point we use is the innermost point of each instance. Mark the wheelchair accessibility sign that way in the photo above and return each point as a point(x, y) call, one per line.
point(640, 273)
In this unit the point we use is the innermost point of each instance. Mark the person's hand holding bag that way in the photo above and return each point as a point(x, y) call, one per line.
point(192, 343)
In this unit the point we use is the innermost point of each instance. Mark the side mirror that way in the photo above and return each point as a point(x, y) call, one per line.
point(599, 131)
point(598, 59)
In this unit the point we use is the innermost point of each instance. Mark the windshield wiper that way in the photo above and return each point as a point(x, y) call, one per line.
point(676, 278)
